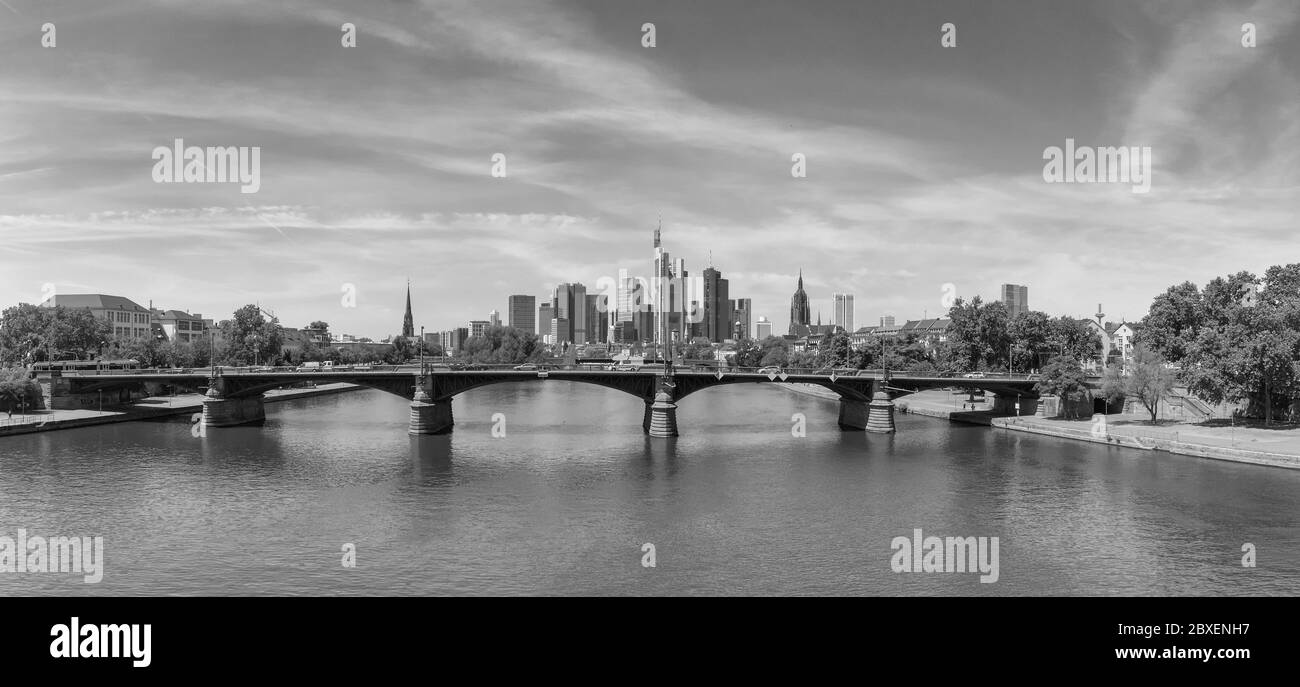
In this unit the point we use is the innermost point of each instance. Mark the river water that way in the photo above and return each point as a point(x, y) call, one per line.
point(564, 502)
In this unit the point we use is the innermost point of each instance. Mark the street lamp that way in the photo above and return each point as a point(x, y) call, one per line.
point(421, 344)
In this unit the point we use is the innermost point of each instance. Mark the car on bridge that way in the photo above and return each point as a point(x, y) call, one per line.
point(526, 367)
point(627, 368)
point(309, 367)
point(769, 370)
point(974, 375)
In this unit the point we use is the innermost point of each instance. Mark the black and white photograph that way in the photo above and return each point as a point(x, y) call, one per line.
point(651, 298)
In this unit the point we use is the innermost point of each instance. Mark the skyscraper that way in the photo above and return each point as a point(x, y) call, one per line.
point(494, 318)
point(597, 318)
point(764, 328)
point(660, 292)
point(545, 313)
point(522, 313)
point(1015, 298)
point(799, 313)
point(717, 313)
point(744, 314)
point(569, 303)
point(843, 311)
point(408, 323)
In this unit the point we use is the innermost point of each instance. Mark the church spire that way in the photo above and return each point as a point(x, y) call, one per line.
point(408, 322)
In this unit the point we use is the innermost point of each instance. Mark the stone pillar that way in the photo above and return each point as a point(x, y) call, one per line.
point(663, 416)
point(853, 414)
point(219, 411)
point(1041, 411)
point(881, 417)
point(428, 416)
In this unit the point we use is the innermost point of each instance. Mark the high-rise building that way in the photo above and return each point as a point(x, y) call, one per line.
point(545, 313)
point(764, 328)
point(569, 302)
point(843, 315)
point(522, 313)
point(799, 313)
point(494, 318)
point(742, 313)
point(660, 292)
point(597, 318)
point(632, 296)
point(408, 323)
point(453, 339)
point(887, 321)
point(476, 327)
point(1015, 298)
point(717, 312)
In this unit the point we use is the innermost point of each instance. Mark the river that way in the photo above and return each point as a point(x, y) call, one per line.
point(563, 503)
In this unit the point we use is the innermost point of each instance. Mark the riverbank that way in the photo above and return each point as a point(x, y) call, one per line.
point(152, 407)
point(1275, 447)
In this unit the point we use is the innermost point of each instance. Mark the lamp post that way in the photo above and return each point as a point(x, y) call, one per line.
point(421, 345)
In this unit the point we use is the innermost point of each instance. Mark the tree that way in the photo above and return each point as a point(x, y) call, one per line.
point(30, 333)
point(1238, 338)
point(978, 335)
point(18, 390)
point(251, 338)
point(698, 351)
point(1173, 322)
point(749, 353)
point(502, 345)
point(1146, 378)
point(1030, 333)
point(834, 351)
point(1074, 338)
point(776, 352)
point(1063, 376)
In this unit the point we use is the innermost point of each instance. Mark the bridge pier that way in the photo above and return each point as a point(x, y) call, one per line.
point(881, 416)
point(428, 416)
point(220, 411)
point(853, 414)
point(661, 416)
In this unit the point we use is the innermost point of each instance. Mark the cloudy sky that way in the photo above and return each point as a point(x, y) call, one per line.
point(924, 163)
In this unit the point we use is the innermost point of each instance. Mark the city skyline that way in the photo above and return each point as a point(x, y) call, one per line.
point(368, 178)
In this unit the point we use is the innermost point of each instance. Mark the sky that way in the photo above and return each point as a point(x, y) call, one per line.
point(924, 163)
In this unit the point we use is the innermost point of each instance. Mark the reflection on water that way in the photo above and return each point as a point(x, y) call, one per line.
point(562, 503)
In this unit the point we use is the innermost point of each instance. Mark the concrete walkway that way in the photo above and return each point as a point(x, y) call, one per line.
point(154, 406)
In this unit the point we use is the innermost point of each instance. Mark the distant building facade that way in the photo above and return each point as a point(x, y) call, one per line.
point(521, 311)
point(1015, 298)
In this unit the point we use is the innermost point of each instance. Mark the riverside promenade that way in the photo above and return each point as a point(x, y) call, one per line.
point(1277, 446)
point(154, 406)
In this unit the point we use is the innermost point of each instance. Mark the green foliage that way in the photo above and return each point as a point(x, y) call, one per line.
point(1145, 378)
point(834, 351)
point(29, 332)
point(1063, 376)
point(18, 390)
point(749, 353)
point(501, 345)
point(978, 335)
point(250, 338)
point(776, 351)
point(1236, 339)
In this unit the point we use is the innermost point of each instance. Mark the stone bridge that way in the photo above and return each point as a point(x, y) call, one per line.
point(235, 398)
